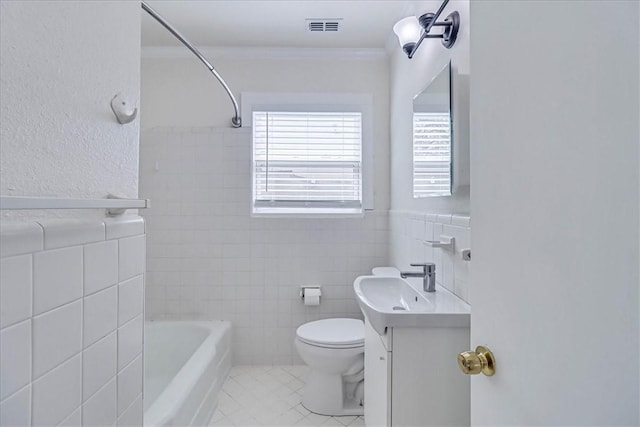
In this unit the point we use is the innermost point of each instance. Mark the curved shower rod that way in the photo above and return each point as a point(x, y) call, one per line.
point(236, 121)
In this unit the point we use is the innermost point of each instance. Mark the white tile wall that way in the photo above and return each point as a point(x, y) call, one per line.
point(129, 385)
point(61, 233)
point(59, 336)
point(100, 266)
point(209, 259)
point(131, 257)
point(74, 420)
point(100, 315)
point(57, 278)
point(130, 299)
point(15, 289)
point(124, 226)
point(15, 358)
point(16, 410)
point(100, 410)
point(20, 238)
point(58, 393)
point(99, 364)
point(130, 341)
point(408, 230)
point(132, 416)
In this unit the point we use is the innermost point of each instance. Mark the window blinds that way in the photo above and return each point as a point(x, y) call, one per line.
point(431, 154)
point(307, 159)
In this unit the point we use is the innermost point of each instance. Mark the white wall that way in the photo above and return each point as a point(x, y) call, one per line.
point(62, 62)
point(208, 258)
point(408, 78)
point(71, 294)
point(179, 91)
point(556, 219)
point(414, 220)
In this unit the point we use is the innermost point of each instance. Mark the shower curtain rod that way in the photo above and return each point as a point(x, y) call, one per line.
point(236, 121)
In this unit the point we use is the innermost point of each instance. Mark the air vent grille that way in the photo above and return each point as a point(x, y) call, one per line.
point(323, 25)
point(316, 26)
point(331, 26)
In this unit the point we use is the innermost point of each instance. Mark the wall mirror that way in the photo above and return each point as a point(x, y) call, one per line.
point(433, 138)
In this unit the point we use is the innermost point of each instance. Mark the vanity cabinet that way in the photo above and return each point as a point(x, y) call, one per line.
point(377, 371)
point(412, 377)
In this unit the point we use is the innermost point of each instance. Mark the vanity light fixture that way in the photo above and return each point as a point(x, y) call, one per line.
point(411, 31)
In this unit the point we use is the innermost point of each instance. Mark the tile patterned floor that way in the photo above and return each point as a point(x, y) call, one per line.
point(270, 396)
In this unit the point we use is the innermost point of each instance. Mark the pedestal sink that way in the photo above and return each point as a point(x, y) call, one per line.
point(395, 302)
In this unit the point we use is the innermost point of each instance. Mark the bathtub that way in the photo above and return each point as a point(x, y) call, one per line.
point(185, 365)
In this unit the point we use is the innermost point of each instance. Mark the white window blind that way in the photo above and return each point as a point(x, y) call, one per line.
point(431, 154)
point(307, 162)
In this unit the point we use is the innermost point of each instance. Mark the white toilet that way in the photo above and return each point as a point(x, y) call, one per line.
point(334, 351)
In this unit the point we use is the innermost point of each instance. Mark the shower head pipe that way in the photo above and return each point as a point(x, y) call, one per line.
point(236, 121)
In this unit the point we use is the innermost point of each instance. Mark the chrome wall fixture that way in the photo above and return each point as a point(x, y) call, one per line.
point(236, 121)
point(411, 31)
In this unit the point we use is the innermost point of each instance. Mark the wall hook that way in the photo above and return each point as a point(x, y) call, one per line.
point(122, 111)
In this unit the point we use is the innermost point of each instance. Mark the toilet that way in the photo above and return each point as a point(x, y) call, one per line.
point(334, 351)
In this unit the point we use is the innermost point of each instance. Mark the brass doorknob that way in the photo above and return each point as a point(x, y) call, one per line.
point(475, 362)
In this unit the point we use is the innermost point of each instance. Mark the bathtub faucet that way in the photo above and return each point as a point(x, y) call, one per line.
point(428, 275)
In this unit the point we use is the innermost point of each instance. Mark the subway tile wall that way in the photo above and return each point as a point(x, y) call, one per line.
point(209, 259)
point(71, 325)
point(408, 231)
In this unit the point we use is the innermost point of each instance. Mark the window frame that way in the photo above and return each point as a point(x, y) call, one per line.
point(316, 102)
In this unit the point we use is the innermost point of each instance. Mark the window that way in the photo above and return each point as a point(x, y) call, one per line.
point(431, 154)
point(309, 158)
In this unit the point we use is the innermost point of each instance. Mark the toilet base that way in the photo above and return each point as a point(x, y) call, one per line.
point(325, 395)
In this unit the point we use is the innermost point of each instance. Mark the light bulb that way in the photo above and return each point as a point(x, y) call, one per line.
point(408, 31)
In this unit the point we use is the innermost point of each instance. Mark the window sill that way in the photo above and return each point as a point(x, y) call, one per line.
point(307, 213)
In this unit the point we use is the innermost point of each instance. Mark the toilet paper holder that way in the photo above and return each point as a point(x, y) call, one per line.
point(303, 289)
point(310, 295)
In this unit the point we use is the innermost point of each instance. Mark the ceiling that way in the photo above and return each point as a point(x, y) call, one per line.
point(266, 23)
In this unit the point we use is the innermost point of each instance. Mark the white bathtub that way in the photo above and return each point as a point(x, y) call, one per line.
point(186, 364)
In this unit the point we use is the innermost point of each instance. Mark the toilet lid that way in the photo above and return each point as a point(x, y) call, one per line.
point(333, 332)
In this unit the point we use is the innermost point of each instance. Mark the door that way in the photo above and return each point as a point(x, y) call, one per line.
point(554, 167)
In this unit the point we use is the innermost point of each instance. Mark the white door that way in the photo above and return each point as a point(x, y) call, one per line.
point(555, 207)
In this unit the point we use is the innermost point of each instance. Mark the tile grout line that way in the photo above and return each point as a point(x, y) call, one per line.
point(82, 336)
point(117, 374)
point(33, 272)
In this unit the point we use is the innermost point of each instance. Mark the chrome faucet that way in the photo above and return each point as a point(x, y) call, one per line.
point(428, 275)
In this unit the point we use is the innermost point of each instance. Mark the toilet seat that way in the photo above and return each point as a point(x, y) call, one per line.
point(333, 333)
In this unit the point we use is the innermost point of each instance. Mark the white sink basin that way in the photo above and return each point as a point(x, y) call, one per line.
point(390, 294)
point(395, 302)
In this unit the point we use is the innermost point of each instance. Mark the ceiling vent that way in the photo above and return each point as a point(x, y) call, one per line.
point(323, 25)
